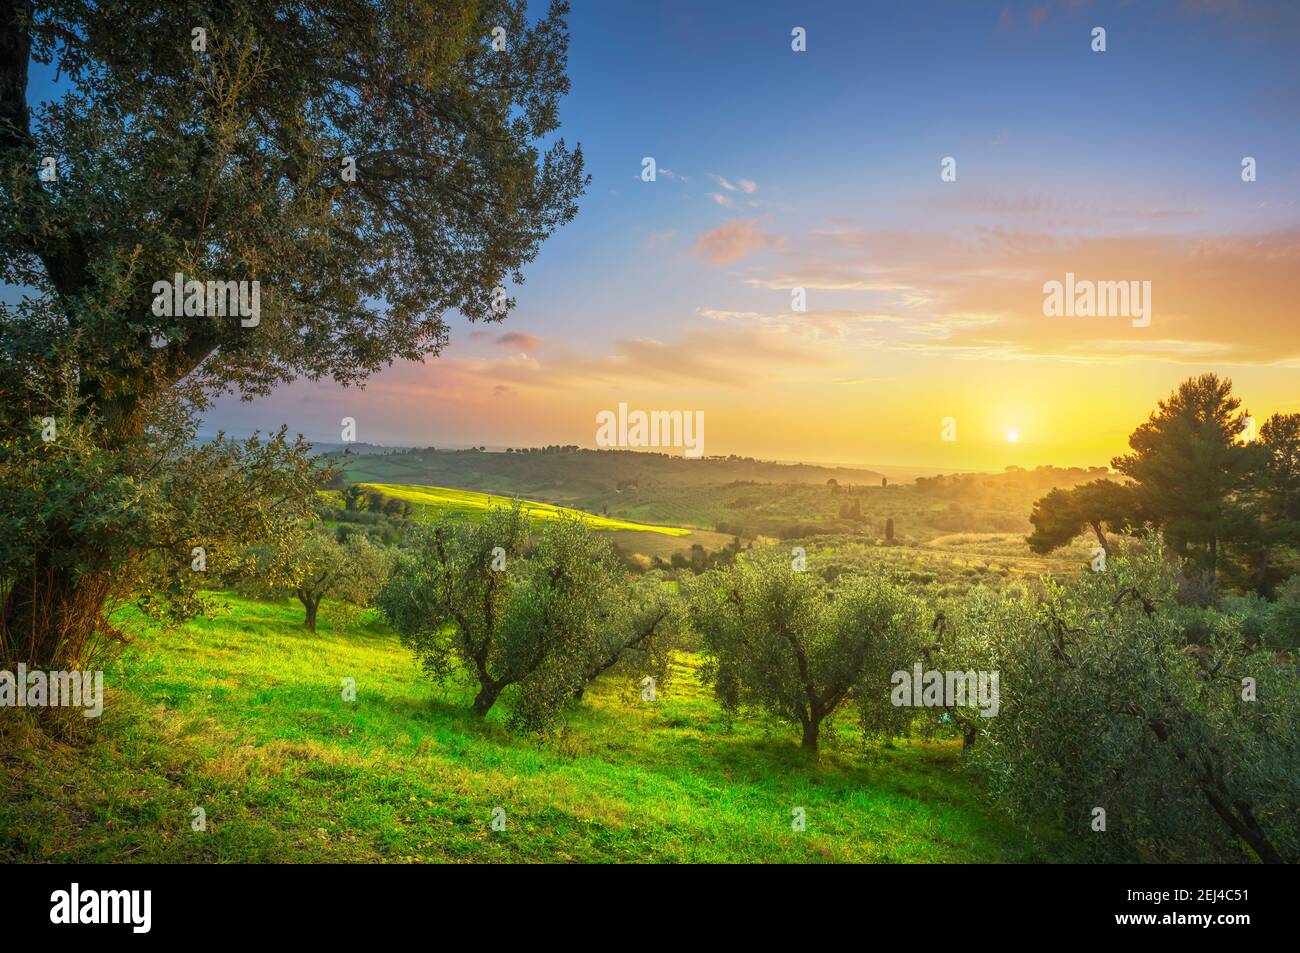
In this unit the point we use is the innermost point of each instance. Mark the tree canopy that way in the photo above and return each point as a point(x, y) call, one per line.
point(357, 169)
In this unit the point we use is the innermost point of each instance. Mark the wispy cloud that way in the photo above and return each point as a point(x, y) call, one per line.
point(734, 240)
point(748, 186)
point(659, 239)
point(982, 294)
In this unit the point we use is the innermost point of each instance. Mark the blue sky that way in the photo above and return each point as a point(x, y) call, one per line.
point(821, 170)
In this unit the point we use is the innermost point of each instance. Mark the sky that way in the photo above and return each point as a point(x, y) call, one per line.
point(821, 170)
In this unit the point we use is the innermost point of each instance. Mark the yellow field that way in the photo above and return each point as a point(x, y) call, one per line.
point(438, 500)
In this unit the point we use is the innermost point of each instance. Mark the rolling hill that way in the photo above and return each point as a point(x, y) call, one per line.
point(568, 474)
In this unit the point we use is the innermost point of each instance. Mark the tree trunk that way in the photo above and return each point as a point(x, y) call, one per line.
point(811, 729)
point(50, 615)
point(1101, 538)
point(486, 698)
point(311, 605)
point(1241, 822)
point(1238, 815)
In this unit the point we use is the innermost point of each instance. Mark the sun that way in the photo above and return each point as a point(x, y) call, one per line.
point(1012, 436)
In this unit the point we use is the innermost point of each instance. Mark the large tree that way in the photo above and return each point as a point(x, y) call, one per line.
point(1280, 440)
point(371, 165)
point(1188, 468)
point(1268, 549)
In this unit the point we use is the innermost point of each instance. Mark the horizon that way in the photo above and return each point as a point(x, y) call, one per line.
point(876, 467)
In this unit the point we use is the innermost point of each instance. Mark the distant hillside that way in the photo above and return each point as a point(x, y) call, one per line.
point(722, 499)
point(571, 473)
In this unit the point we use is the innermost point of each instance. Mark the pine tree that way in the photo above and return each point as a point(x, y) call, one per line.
point(1189, 469)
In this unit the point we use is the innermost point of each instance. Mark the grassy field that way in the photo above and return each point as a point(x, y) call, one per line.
point(436, 501)
point(242, 715)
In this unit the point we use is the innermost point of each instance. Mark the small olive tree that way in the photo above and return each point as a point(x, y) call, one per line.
point(638, 633)
point(545, 618)
point(780, 640)
point(315, 566)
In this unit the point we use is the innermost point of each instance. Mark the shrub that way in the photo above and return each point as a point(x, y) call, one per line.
point(85, 529)
point(1115, 696)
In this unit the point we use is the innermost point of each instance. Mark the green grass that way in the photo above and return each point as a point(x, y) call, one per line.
point(440, 500)
point(242, 715)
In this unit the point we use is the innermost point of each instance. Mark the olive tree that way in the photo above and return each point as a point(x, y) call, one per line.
point(1116, 699)
point(637, 634)
point(354, 169)
point(782, 641)
point(316, 566)
point(544, 617)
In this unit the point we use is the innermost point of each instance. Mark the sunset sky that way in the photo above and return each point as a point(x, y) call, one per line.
point(821, 170)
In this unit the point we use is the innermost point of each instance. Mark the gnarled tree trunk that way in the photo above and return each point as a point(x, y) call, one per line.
point(311, 604)
point(52, 616)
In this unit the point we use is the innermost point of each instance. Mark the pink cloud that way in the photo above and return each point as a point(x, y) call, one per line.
point(733, 240)
point(519, 339)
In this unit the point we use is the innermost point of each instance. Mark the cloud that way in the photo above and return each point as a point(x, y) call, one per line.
point(725, 354)
point(748, 186)
point(1228, 299)
point(716, 315)
point(517, 339)
point(733, 240)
